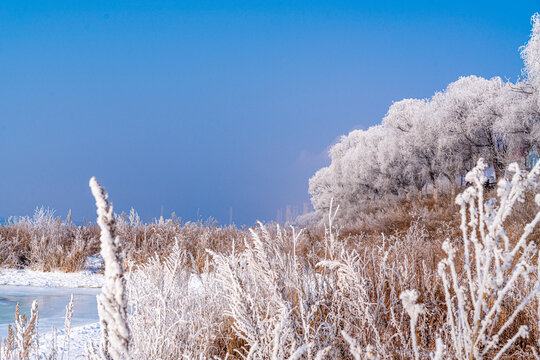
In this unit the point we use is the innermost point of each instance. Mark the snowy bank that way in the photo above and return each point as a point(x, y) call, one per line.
point(50, 279)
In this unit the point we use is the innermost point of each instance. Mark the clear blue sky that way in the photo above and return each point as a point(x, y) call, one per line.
point(200, 106)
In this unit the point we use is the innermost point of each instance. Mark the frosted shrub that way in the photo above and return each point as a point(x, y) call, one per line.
point(181, 312)
point(141, 241)
point(44, 242)
point(284, 299)
point(46, 232)
point(365, 302)
point(499, 279)
point(275, 298)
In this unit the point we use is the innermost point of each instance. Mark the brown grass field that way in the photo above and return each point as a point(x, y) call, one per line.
point(395, 246)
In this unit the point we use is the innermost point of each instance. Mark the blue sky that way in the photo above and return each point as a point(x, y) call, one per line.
point(198, 106)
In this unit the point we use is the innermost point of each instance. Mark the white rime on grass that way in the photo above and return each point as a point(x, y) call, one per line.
point(408, 298)
point(482, 307)
point(181, 312)
point(112, 302)
point(67, 328)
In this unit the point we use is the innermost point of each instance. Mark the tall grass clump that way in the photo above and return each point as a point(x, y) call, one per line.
point(274, 297)
point(45, 242)
point(180, 310)
point(285, 298)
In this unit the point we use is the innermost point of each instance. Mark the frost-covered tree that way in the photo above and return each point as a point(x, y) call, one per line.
point(355, 174)
point(336, 181)
point(423, 141)
point(523, 103)
point(361, 166)
point(415, 134)
point(471, 110)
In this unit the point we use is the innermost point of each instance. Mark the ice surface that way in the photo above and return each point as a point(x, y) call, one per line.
point(52, 303)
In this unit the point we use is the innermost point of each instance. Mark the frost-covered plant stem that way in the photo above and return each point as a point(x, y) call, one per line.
point(329, 233)
point(408, 298)
point(493, 266)
point(112, 303)
point(34, 313)
point(25, 338)
point(67, 327)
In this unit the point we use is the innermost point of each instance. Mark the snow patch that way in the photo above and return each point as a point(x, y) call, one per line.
point(50, 279)
point(80, 336)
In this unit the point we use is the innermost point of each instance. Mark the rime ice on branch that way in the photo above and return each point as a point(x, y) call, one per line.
point(426, 145)
point(112, 303)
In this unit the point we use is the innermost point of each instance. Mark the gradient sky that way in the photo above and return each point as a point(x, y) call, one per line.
point(199, 106)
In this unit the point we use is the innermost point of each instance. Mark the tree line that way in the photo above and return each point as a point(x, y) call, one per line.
point(434, 142)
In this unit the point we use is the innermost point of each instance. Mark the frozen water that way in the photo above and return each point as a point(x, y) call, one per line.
point(52, 303)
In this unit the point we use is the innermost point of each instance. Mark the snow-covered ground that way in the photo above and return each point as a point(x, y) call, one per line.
point(80, 337)
point(53, 291)
point(85, 279)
